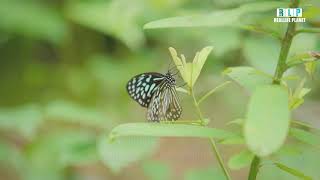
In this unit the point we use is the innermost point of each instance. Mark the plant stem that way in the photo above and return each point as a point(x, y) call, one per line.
point(213, 143)
point(281, 68)
point(285, 47)
point(254, 168)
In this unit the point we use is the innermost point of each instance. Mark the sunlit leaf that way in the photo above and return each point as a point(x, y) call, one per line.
point(190, 71)
point(60, 110)
point(267, 122)
point(240, 160)
point(229, 17)
point(120, 153)
point(167, 130)
point(104, 17)
point(248, 77)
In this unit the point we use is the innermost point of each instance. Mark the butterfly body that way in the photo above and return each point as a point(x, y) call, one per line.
point(157, 93)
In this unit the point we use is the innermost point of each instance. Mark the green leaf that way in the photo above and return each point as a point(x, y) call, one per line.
point(198, 62)
point(305, 136)
point(61, 110)
point(167, 130)
point(32, 19)
point(297, 98)
point(248, 77)
point(23, 120)
point(100, 16)
point(267, 122)
point(230, 17)
point(240, 160)
point(190, 71)
point(261, 53)
point(310, 68)
point(156, 170)
point(303, 58)
point(292, 171)
point(121, 152)
point(205, 174)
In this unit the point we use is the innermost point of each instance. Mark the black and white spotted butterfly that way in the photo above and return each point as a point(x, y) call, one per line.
point(157, 93)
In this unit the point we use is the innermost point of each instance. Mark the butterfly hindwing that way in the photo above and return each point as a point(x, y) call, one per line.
point(174, 111)
point(164, 105)
point(142, 87)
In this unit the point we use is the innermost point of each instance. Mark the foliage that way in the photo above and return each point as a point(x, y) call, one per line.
point(65, 114)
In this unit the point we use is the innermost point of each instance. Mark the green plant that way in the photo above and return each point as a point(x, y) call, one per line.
point(268, 123)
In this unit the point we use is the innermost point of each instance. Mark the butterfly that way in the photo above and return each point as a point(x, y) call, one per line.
point(157, 93)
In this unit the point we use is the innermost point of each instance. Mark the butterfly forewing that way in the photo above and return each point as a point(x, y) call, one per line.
point(142, 87)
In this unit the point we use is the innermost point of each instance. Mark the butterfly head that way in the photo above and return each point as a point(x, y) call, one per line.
point(170, 79)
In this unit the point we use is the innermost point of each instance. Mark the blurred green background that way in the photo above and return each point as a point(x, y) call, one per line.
point(64, 65)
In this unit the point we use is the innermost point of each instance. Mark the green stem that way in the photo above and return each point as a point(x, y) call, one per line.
point(213, 143)
point(254, 168)
point(285, 47)
point(281, 68)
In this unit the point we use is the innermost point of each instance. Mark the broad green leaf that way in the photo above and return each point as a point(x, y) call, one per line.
point(292, 171)
point(229, 17)
point(167, 130)
point(248, 77)
point(60, 110)
point(267, 122)
point(120, 153)
point(261, 53)
point(156, 170)
point(305, 136)
point(240, 160)
point(32, 19)
point(205, 174)
point(104, 17)
point(23, 120)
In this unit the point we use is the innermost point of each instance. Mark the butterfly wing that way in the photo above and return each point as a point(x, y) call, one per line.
point(164, 105)
point(174, 111)
point(142, 87)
